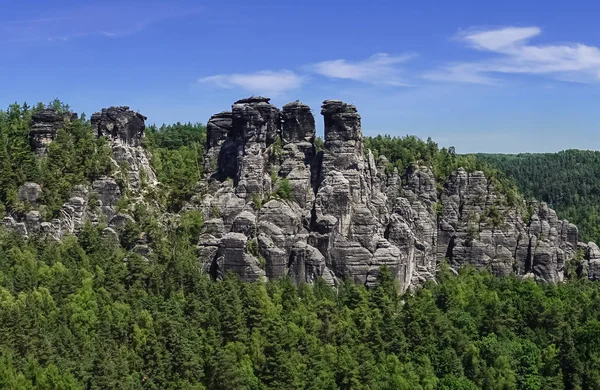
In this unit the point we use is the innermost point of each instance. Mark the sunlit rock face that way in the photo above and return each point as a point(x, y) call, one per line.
point(124, 130)
point(276, 206)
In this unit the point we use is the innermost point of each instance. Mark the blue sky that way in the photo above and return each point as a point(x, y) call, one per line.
point(508, 76)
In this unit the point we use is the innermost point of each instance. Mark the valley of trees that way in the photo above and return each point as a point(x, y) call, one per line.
point(569, 181)
point(90, 313)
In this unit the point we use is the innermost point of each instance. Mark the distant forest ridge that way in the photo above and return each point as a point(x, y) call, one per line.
point(569, 181)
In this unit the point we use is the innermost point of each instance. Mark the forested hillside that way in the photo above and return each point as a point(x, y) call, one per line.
point(75, 157)
point(568, 181)
point(89, 311)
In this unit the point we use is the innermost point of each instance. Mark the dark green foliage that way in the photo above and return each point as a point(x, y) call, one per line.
point(75, 157)
point(284, 189)
point(177, 157)
point(567, 181)
point(85, 313)
point(405, 152)
point(17, 160)
point(176, 136)
point(277, 148)
point(319, 144)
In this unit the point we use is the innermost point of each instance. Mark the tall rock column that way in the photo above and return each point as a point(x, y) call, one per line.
point(343, 226)
point(255, 125)
point(217, 131)
point(124, 130)
point(240, 177)
point(297, 152)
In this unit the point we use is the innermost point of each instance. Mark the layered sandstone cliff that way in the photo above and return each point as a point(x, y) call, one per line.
point(276, 206)
point(342, 216)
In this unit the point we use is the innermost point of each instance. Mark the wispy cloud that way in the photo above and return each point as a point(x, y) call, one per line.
point(512, 53)
point(107, 19)
point(380, 69)
point(264, 82)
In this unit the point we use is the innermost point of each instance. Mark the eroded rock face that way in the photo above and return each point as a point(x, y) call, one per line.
point(343, 216)
point(124, 130)
point(44, 125)
point(218, 128)
point(30, 193)
point(119, 123)
point(276, 206)
point(97, 202)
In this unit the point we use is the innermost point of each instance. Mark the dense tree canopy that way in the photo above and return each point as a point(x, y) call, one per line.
point(568, 181)
point(76, 156)
point(86, 313)
point(177, 157)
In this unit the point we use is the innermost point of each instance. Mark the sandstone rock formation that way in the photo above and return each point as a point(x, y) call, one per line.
point(44, 125)
point(30, 193)
point(96, 202)
point(275, 206)
point(124, 130)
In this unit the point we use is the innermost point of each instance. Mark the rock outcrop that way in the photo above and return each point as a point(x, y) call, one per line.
point(44, 126)
point(96, 202)
point(124, 130)
point(276, 207)
point(30, 193)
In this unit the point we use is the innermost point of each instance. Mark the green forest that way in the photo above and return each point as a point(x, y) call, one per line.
point(89, 313)
point(567, 181)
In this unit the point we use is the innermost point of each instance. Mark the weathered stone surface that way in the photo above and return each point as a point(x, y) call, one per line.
point(217, 131)
point(298, 123)
point(95, 202)
point(306, 264)
point(274, 206)
point(346, 217)
point(479, 226)
point(232, 257)
point(124, 130)
point(30, 193)
point(44, 125)
point(297, 155)
point(107, 193)
point(120, 123)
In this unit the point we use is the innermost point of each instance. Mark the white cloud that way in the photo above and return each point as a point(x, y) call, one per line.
point(264, 82)
point(461, 73)
point(499, 40)
point(381, 68)
point(513, 54)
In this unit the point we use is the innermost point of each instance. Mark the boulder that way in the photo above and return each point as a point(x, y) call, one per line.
point(30, 193)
